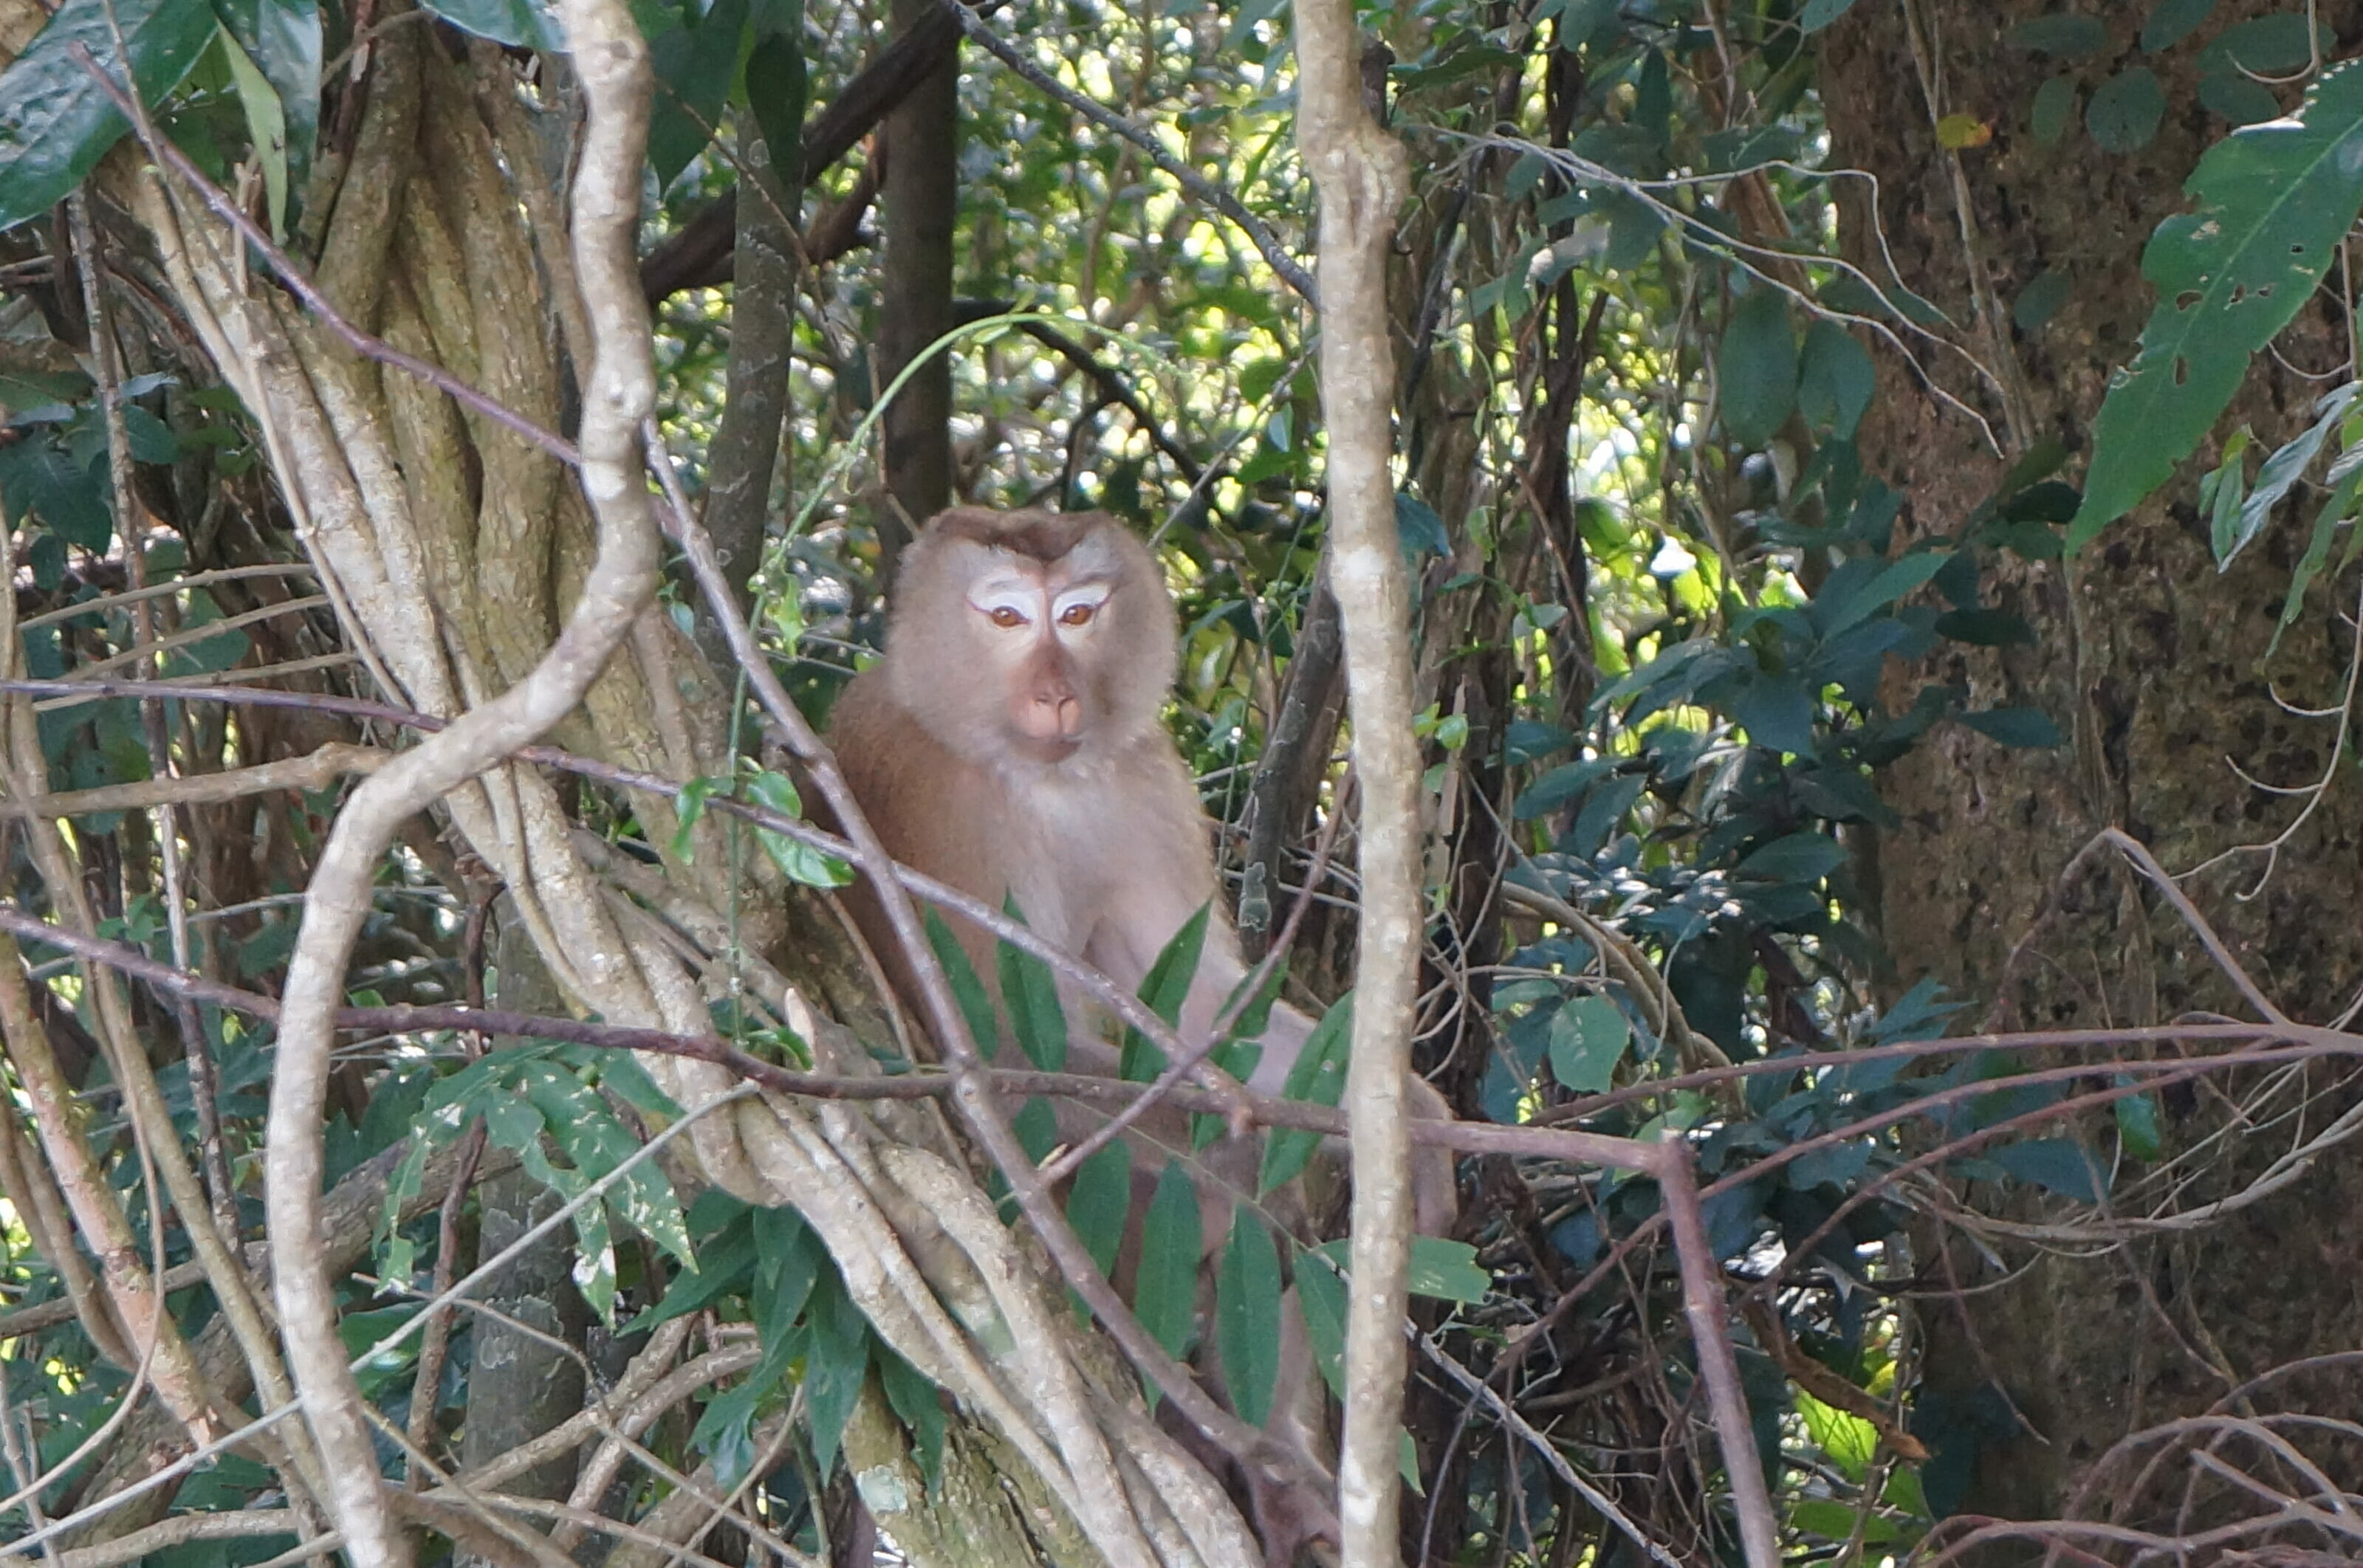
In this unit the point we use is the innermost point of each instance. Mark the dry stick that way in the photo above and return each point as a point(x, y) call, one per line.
point(204, 1080)
point(974, 1091)
point(1360, 172)
point(610, 63)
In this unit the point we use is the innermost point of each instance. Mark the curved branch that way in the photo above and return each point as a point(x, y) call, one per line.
point(612, 63)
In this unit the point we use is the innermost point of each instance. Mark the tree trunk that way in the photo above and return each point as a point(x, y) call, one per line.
point(2156, 671)
point(920, 200)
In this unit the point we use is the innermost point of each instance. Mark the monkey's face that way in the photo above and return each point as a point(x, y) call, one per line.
point(1042, 628)
point(1038, 642)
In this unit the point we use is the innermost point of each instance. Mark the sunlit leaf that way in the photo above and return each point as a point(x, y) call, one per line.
point(2273, 202)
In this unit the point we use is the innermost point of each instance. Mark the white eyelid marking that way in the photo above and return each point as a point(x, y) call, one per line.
point(993, 598)
point(1090, 595)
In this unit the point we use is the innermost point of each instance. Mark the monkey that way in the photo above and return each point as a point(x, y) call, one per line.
point(1009, 742)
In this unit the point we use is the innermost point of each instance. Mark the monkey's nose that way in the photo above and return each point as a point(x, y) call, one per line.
point(1051, 715)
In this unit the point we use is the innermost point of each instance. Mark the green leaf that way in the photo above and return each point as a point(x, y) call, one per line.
point(1246, 1317)
point(282, 39)
point(688, 810)
point(1165, 988)
point(2137, 1125)
point(518, 24)
point(2271, 45)
point(1892, 582)
point(1100, 1200)
point(2018, 727)
point(834, 1366)
point(1588, 1036)
point(1165, 1291)
point(1802, 858)
point(967, 989)
point(2282, 470)
point(2222, 494)
point(2058, 1165)
point(56, 121)
point(2126, 110)
point(1418, 530)
point(1835, 379)
point(778, 87)
point(266, 125)
point(39, 477)
point(1317, 1078)
point(2063, 33)
point(2171, 21)
point(918, 1403)
point(694, 66)
point(1756, 367)
point(1030, 996)
point(1815, 15)
point(1321, 1303)
point(2054, 104)
point(2274, 200)
point(2039, 300)
point(2334, 512)
point(797, 861)
point(2238, 99)
point(1447, 1270)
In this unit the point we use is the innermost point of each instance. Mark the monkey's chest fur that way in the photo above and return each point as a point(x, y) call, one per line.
point(1106, 854)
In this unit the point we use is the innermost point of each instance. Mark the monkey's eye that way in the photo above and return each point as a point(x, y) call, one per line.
point(1077, 615)
point(1005, 617)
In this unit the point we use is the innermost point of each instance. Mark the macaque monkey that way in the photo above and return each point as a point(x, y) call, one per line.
point(1009, 743)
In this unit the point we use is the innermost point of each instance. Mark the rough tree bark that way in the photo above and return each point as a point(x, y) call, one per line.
point(2156, 671)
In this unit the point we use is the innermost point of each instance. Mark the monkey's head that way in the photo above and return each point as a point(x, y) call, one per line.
point(1038, 635)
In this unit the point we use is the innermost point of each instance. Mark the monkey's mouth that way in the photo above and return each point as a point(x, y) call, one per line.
point(1045, 749)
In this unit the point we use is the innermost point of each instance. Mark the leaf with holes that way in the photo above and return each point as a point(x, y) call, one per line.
point(55, 118)
point(2273, 201)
